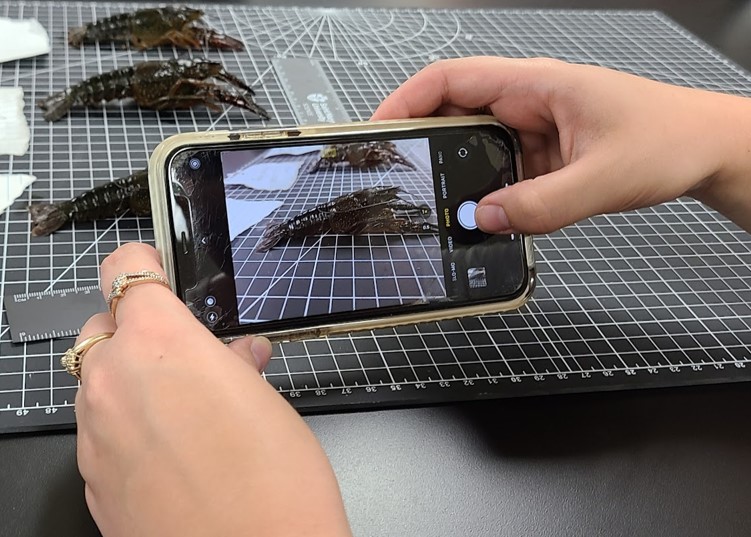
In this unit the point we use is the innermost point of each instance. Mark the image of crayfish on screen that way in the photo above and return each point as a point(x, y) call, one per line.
point(319, 229)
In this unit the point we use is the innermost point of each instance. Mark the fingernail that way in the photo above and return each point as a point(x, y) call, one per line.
point(261, 350)
point(492, 219)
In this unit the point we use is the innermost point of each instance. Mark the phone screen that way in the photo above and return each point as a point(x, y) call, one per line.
point(288, 234)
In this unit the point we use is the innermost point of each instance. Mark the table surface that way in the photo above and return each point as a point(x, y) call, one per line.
point(626, 463)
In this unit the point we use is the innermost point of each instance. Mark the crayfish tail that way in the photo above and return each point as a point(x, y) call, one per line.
point(56, 106)
point(77, 36)
point(46, 218)
point(271, 237)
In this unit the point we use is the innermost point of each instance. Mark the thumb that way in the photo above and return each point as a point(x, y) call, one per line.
point(254, 350)
point(549, 202)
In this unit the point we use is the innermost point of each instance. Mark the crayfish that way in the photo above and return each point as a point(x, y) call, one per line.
point(109, 200)
point(154, 27)
point(158, 85)
point(361, 155)
point(370, 210)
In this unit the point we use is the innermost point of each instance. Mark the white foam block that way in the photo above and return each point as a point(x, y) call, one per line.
point(11, 187)
point(242, 214)
point(14, 131)
point(22, 39)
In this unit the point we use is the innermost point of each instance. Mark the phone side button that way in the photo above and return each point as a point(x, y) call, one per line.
point(262, 135)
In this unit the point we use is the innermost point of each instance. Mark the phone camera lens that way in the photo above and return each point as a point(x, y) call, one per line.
point(194, 163)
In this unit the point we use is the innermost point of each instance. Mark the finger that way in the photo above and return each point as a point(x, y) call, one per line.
point(91, 501)
point(96, 508)
point(255, 350)
point(98, 324)
point(552, 201)
point(448, 109)
point(514, 89)
point(149, 298)
point(85, 454)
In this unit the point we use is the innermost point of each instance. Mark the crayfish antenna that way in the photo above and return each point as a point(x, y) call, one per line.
point(46, 218)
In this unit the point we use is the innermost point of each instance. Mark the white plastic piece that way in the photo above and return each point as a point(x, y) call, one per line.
point(14, 131)
point(268, 176)
point(294, 151)
point(263, 172)
point(11, 187)
point(242, 214)
point(22, 39)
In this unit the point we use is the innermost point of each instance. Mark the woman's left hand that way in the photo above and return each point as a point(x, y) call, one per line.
point(180, 435)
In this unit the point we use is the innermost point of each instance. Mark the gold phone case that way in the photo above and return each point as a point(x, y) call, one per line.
point(163, 225)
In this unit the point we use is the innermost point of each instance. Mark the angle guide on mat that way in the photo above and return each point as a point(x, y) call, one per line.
point(656, 297)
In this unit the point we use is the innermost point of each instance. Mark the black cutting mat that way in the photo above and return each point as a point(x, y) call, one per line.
point(656, 297)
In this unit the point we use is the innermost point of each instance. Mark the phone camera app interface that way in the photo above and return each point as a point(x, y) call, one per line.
point(341, 227)
point(320, 229)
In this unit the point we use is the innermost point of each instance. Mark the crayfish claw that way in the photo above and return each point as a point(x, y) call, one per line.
point(223, 95)
point(215, 39)
point(178, 38)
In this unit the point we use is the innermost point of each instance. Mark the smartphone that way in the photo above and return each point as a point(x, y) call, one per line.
point(315, 230)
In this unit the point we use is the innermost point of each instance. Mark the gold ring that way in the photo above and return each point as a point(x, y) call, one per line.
point(73, 357)
point(128, 279)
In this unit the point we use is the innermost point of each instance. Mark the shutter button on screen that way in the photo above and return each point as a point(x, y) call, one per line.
point(466, 215)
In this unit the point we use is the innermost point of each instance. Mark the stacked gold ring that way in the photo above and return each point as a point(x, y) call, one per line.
point(128, 279)
point(73, 357)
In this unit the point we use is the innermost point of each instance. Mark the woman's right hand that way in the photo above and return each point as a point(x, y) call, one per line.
point(594, 140)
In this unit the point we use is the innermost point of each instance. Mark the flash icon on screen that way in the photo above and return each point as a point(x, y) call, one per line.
point(477, 277)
